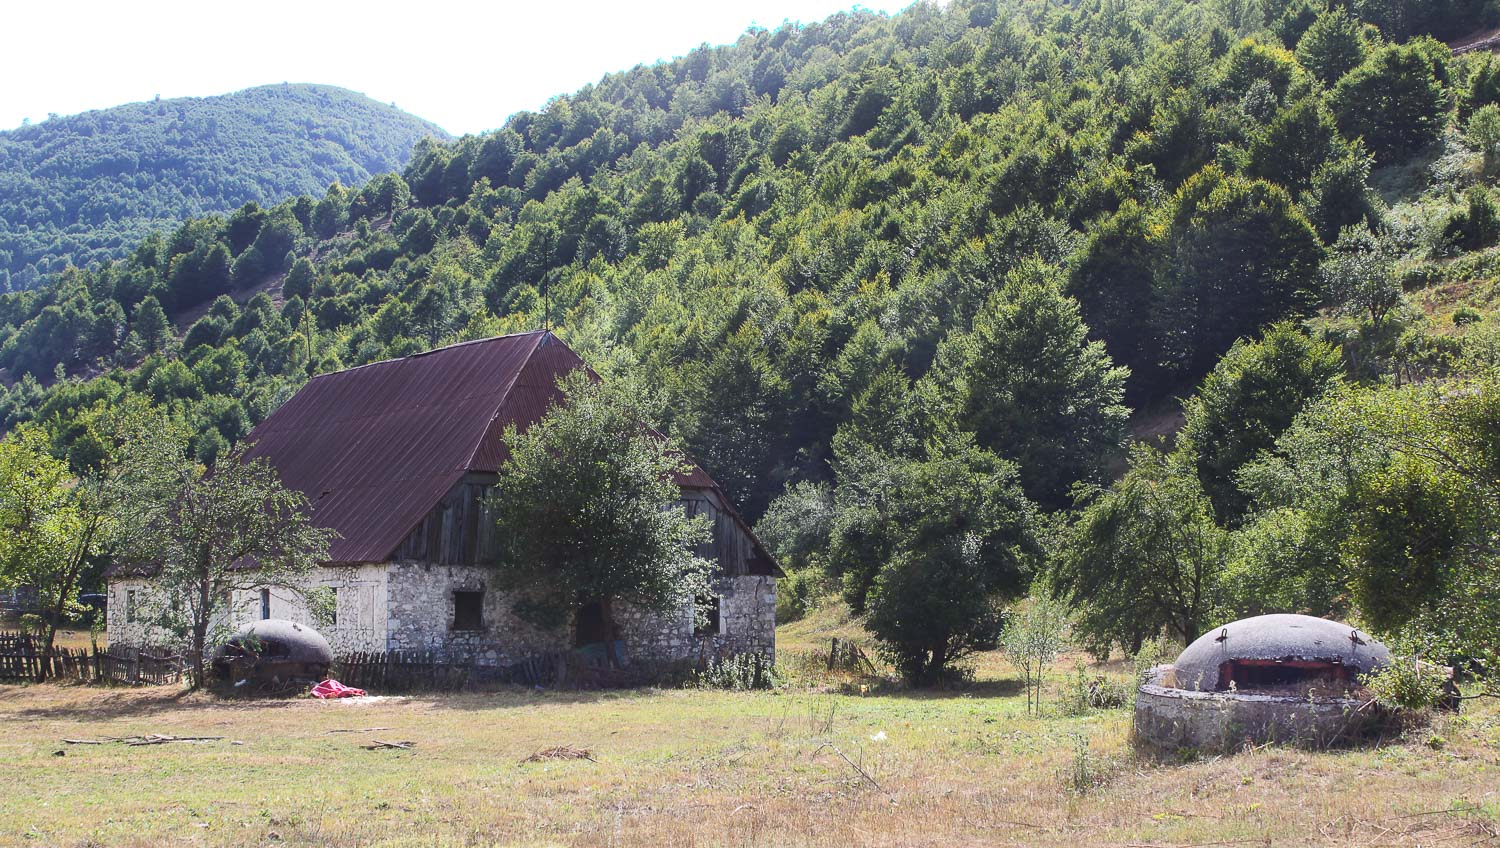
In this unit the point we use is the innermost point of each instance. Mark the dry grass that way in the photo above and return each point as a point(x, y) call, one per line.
point(701, 768)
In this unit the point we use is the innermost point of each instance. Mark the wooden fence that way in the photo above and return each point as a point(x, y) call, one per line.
point(23, 658)
point(400, 671)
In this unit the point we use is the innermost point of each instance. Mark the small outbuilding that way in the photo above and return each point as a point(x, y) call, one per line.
point(1284, 678)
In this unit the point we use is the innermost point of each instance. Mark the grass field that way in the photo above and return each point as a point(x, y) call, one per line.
point(709, 768)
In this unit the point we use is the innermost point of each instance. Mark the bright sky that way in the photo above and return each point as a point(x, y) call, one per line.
point(463, 65)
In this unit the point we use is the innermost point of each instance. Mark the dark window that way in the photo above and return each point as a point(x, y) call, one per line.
point(130, 606)
point(468, 610)
point(1251, 675)
point(710, 626)
point(265, 603)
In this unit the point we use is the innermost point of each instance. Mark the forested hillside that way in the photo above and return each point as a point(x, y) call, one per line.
point(898, 283)
point(84, 188)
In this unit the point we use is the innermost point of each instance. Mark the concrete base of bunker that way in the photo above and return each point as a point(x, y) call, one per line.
point(1173, 719)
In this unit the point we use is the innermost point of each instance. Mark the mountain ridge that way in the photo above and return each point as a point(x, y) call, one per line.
point(83, 188)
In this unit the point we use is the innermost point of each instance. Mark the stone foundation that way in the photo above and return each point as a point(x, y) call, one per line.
point(421, 615)
point(1173, 719)
point(409, 606)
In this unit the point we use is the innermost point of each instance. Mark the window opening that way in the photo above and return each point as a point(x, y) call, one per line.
point(468, 609)
point(710, 625)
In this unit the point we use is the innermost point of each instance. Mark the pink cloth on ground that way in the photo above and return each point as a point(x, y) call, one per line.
point(333, 689)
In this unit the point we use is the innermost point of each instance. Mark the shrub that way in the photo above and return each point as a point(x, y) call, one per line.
point(1035, 633)
point(1476, 226)
point(739, 673)
point(799, 593)
point(1408, 684)
point(1084, 694)
point(1465, 315)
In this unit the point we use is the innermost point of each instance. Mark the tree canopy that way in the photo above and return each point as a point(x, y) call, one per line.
point(589, 510)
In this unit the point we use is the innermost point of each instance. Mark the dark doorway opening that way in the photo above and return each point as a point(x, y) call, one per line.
point(589, 627)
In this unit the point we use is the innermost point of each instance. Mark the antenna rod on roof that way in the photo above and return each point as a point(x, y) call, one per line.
point(546, 305)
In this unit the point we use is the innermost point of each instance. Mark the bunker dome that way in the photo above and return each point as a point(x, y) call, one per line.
point(273, 651)
point(1283, 678)
point(1273, 651)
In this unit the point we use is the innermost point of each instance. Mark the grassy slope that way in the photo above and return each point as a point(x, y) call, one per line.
point(699, 768)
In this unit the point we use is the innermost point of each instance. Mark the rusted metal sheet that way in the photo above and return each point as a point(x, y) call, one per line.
point(378, 448)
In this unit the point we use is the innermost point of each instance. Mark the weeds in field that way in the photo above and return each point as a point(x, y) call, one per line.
point(1087, 772)
point(1084, 694)
point(739, 673)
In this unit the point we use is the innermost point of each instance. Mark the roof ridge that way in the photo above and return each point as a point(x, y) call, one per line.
point(485, 340)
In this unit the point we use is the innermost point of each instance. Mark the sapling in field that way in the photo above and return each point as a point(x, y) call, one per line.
point(1035, 633)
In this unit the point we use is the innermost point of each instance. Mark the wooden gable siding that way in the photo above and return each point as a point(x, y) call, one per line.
point(460, 530)
point(729, 546)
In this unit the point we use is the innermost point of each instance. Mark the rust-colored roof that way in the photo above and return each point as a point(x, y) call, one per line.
point(376, 447)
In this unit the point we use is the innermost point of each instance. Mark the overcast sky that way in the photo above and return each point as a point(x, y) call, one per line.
point(465, 66)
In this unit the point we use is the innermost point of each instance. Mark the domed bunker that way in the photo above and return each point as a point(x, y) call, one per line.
point(1283, 678)
point(273, 653)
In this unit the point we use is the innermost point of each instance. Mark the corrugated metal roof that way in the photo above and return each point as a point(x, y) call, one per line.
point(376, 447)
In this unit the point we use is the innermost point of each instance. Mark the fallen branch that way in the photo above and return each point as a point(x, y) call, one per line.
point(151, 739)
point(1257, 841)
point(1476, 695)
point(852, 764)
point(161, 739)
point(378, 745)
point(353, 730)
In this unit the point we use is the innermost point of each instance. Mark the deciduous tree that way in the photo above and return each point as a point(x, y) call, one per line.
point(588, 510)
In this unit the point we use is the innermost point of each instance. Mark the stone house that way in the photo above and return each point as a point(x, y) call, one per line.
point(396, 456)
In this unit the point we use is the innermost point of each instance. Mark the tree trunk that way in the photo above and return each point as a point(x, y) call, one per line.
point(935, 664)
point(200, 625)
point(200, 635)
point(74, 567)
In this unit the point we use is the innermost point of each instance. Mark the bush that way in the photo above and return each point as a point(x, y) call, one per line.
point(1084, 694)
point(1476, 226)
point(1466, 315)
point(1035, 633)
point(800, 591)
point(1408, 684)
point(738, 673)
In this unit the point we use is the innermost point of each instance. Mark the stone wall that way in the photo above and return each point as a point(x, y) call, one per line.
point(359, 601)
point(747, 615)
point(359, 606)
point(654, 637)
point(420, 616)
point(124, 612)
point(1170, 718)
point(409, 606)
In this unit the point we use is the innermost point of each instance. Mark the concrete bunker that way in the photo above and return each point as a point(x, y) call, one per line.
point(272, 655)
point(1282, 678)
